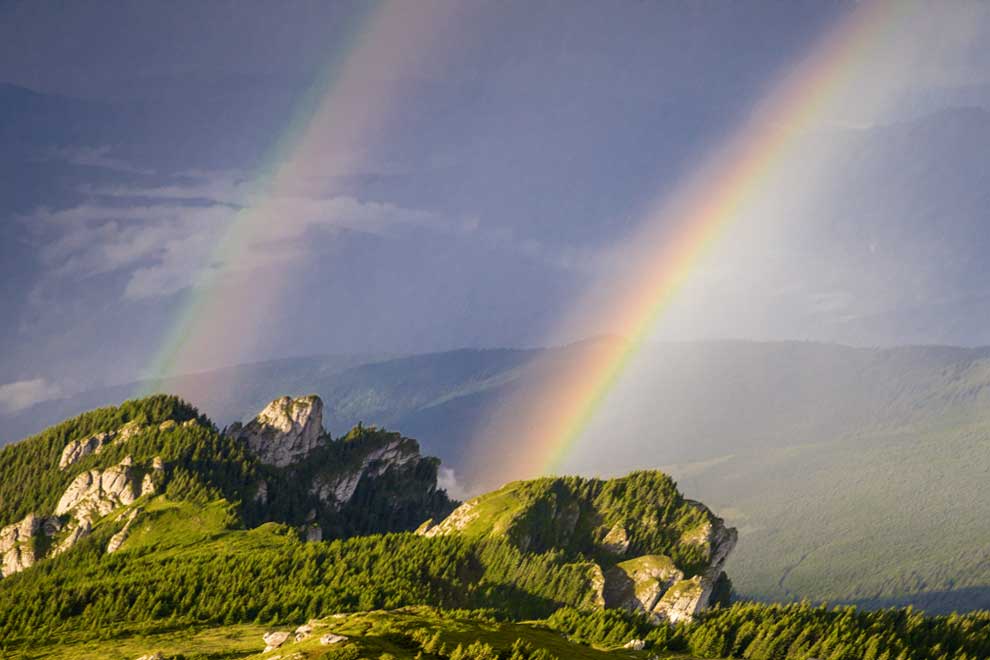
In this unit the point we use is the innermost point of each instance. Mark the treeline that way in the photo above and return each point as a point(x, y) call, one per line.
point(798, 631)
point(268, 576)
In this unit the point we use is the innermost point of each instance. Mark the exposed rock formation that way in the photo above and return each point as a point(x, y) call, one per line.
point(78, 449)
point(617, 540)
point(637, 584)
point(462, 516)
point(285, 431)
point(118, 539)
point(339, 489)
point(95, 493)
point(17, 545)
point(687, 598)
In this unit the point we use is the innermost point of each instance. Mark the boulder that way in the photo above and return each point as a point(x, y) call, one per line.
point(616, 541)
point(273, 640)
point(285, 431)
point(331, 638)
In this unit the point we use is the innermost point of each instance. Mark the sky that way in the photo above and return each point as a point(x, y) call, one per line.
point(187, 185)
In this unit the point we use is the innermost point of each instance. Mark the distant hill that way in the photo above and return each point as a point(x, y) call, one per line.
point(814, 451)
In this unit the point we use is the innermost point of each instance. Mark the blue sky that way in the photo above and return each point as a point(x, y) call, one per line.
point(517, 161)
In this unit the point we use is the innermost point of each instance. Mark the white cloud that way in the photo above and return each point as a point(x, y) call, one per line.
point(447, 480)
point(25, 393)
point(166, 243)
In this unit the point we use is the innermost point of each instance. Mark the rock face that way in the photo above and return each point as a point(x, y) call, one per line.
point(80, 448)
point(17, 545)
point(95, 494)
point(83, 447)
point(118, 539)
point(687, 598)
point(339, 489)
point(637, 584)
point(92, 495)
point(462, 516)
point(285, 431)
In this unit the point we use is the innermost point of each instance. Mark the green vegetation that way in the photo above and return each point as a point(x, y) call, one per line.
point(398, 499)
point(202, 574)
point(207, 463)
point(574, 515)
point(398, 634)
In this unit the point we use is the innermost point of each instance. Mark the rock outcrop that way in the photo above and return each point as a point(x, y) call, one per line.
point(285, 431)
point(77, 449)
point(92, 495)
point(338, 489)
point(17, 545)
point(637, 584)
point(80, 448)
point(118, 539)
point(688, 597)
point(95, 494)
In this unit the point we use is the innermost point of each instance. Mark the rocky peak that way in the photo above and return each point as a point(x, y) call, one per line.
point(285, 431)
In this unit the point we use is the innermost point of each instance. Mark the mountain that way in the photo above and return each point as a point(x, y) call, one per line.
point(100, 470)
point(790, 441)
point(144, 531)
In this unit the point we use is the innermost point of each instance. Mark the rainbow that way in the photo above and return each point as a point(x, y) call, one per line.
point(544, 420)
point(344, 115)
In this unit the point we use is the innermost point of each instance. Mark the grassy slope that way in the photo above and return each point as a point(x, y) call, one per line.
point(365, 630)
point(890, 518)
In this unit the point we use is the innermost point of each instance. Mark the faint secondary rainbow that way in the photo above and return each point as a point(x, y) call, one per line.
point(235, 297)
point(545, 419)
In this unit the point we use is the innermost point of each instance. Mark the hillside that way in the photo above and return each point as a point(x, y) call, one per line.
point(144, 530)
point(790, 441)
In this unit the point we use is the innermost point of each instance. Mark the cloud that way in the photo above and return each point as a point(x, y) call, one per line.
point(447, 480)
point(168, 238)
point(25, 393)
point(90, 157)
